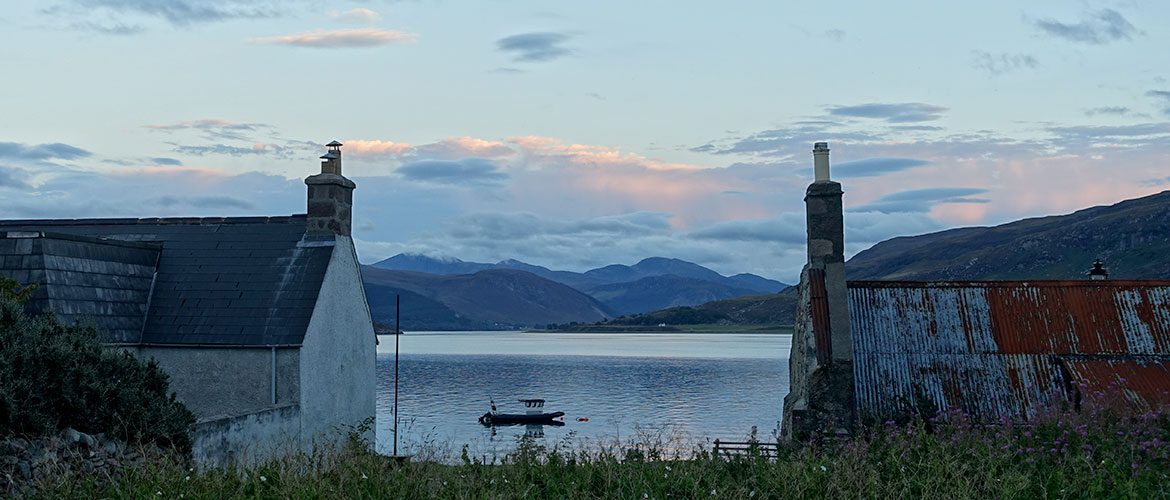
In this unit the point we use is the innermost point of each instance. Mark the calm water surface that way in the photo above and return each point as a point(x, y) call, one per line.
point(685, 387)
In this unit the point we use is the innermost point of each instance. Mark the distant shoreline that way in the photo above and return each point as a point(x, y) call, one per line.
point(710, 328)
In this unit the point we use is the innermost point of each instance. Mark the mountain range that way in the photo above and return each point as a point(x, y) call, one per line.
point(451, 294)
point(1132, 238)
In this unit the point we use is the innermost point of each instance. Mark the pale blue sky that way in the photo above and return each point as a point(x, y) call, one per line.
point(575, 134)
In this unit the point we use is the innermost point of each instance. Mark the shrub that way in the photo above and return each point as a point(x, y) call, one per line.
point(54, 376)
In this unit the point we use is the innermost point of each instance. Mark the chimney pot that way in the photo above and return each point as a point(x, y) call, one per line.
point(821, 162)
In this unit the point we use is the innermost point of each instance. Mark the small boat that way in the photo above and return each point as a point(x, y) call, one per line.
point(535, 414)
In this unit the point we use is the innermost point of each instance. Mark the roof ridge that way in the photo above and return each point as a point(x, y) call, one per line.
point(261, 219)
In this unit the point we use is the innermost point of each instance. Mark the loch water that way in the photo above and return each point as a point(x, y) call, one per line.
point(681, 389)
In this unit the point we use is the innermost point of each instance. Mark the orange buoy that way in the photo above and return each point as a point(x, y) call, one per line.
point(582, 419)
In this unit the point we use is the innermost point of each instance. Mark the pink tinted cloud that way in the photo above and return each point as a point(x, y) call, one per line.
point(335, 39)
point(362, 148)
point(585, 154)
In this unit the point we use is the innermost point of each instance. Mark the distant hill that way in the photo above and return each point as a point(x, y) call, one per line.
point(770, 309)
point(492, 299)
point(1132, 237)
point(657, 292)
point(614, 273)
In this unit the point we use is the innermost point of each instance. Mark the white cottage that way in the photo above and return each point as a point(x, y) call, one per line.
point(261, 322)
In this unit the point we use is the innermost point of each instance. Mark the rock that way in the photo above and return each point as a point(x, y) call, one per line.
point(90, 442)
point(71, 435)
point(110, 448)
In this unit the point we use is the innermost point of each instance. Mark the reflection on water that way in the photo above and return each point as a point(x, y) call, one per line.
point(694, 385)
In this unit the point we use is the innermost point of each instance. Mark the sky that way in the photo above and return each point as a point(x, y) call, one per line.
point(579, 134)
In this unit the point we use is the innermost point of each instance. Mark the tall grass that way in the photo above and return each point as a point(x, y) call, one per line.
point(1061, 454)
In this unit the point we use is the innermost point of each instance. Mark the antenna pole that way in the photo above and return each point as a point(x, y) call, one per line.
point(397, 333)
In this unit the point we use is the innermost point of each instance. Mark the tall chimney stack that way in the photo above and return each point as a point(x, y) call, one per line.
point(826, 248)
point(330, 196)
point(820, 401)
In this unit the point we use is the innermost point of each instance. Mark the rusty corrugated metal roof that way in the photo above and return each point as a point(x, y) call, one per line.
point(994, 349)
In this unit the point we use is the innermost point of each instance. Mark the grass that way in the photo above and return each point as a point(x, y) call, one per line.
point(1059, 455)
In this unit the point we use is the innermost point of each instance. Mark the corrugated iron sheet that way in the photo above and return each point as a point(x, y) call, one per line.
point(1144, 381)
point(819, 308)
point(993, 349)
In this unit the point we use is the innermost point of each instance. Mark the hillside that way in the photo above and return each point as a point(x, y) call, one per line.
point(494, 298)
point(614, 273)
point(658, 292)
point(770, 309)
point(1132, 237)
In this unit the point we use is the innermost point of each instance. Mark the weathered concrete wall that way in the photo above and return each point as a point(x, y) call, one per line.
point(337, 357)
point(220, 381)
point(247, 439)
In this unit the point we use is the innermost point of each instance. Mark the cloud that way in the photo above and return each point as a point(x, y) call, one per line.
point(183, 12)
point(337, 39)
point(54, 151)
point(921, 200)
point(213, 129)
point(909, 112)
point(1097, 28)
point(787, 141)
point(356, 15)
point(224, 149)
point(835, 35)
point(1107, 110)
point(788, 229)
point(212, 202)
point(13, 178)
point(870, 167)
point(117, 29)
point(465, 172)
point(535, 47)
point(998, 64)
point(166, 161)
point(373, 149)
point(1164, 96)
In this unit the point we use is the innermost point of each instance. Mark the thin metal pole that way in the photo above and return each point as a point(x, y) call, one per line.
point(397, 333)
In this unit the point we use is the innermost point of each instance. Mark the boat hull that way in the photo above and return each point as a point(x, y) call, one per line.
point(515, 419)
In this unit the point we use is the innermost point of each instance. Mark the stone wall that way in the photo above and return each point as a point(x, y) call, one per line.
point(247, 439)
point(70, 456)
point(216, 382)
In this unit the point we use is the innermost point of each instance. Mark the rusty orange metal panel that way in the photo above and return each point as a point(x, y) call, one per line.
point(1144, 381)
point(819, 308)
point(993, 349)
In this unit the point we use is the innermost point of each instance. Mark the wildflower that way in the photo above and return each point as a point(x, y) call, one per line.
point(186, 478)
point(365, 477)
point(667, 467)
point(159, 493)
point(712, 492)
point(645, 495)
point(823, 469)
point(262, 479)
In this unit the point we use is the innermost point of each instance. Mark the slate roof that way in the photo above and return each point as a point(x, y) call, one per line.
point(228, 281)
point(1006, 349)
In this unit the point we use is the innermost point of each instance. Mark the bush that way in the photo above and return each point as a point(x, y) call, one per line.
point(54, 376)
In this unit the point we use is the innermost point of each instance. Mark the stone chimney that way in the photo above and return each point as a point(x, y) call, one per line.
point(820, 402)
point(826, 248)
point(1098, 272)
point(330, 196)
